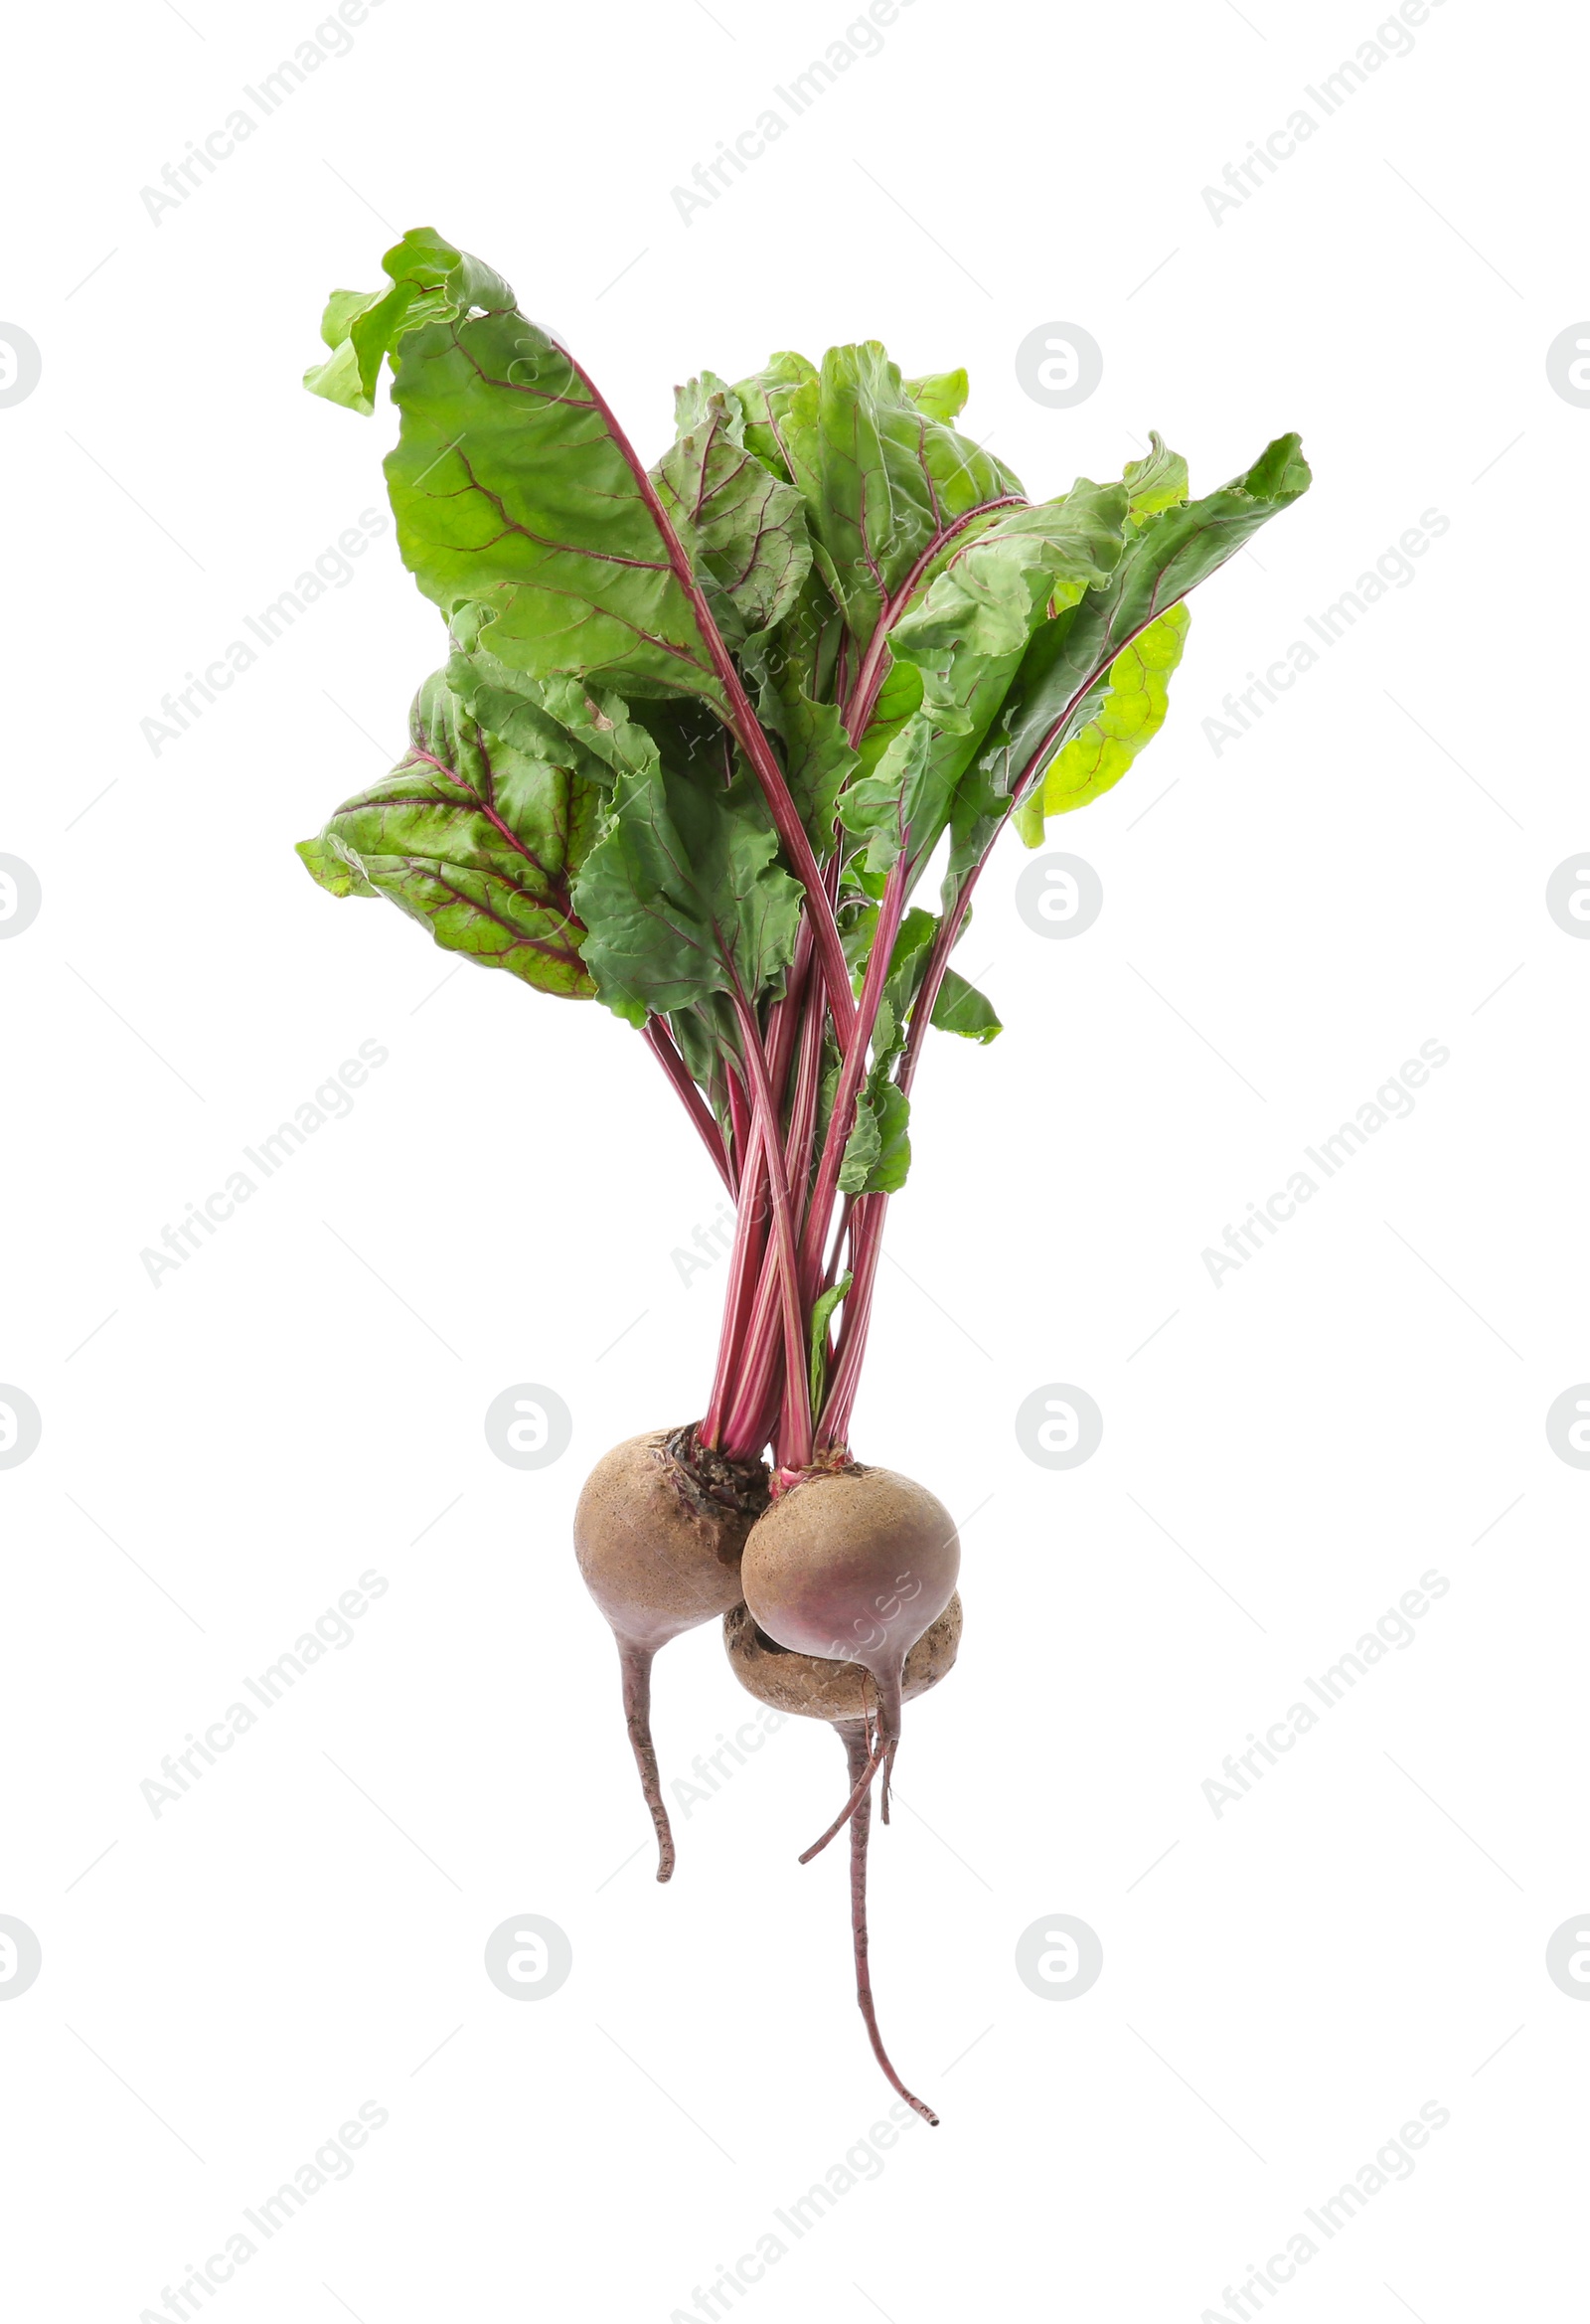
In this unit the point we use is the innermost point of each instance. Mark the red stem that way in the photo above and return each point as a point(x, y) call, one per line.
point(841, 1121)
point(739, 1119)
point(756, 1380)
point(749, 1418)
point(663, 1046)
point(743, 1285)
point(803, 1107)
point(866, 1237)
point(795, 1439)
point(789, 1013)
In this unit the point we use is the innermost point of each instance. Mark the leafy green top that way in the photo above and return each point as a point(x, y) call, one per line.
point(689, 711)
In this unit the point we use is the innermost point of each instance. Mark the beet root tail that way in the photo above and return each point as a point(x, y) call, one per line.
point(869, 1765)
point(636, 1664)
point(862, 1765)
point(889, 1681)
point(890, 1704)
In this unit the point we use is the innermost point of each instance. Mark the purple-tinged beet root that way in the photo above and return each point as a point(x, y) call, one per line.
point(659, 1531)
point(843, 1693)
point(858, 1758)
point(853, 1565)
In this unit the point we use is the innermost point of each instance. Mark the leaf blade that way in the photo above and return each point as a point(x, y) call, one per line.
point(476, 839)
point(1168, 550)
point(513, 487)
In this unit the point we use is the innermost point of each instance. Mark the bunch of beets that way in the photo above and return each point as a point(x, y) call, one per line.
point(701, 731)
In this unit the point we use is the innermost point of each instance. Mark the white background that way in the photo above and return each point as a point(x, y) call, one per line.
point(1283, 925)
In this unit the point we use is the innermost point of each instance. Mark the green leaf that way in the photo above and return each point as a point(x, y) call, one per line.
point(335, 872)
point(817, 758)
point(1166, 556)
point(883, 479)
point(899, 698)
point(1130, 714)
point(805, 647)
point(862, 1148)
point(428, 278)
point(764, 400)
point(894, 1159)
point(602, 723)
point(512, 489)
point(941, 394)
point(790, 669)
point(909, 959)
point(475, 837)
point(683, 894)
point(878, 1152)
point(879, 807)
point(1159, 481)
point(559, 720)
point(707, 1042)
point(822, 1316)
point(981, 804)
point(1029, 819)
point(961, 1008)
point(964, 635)
point(743, 529)
point(993, 588)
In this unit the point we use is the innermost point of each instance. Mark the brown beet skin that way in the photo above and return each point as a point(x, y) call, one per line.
point(660, 1553)
point(655, 1560)
point(815, 1688)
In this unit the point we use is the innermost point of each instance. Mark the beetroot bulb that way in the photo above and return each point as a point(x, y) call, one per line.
point(659, 1529)
point(854, 1563)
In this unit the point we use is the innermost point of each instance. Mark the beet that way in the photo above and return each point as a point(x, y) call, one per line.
point(853, 1563)
point(814, 1688)
point(659, 1531)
